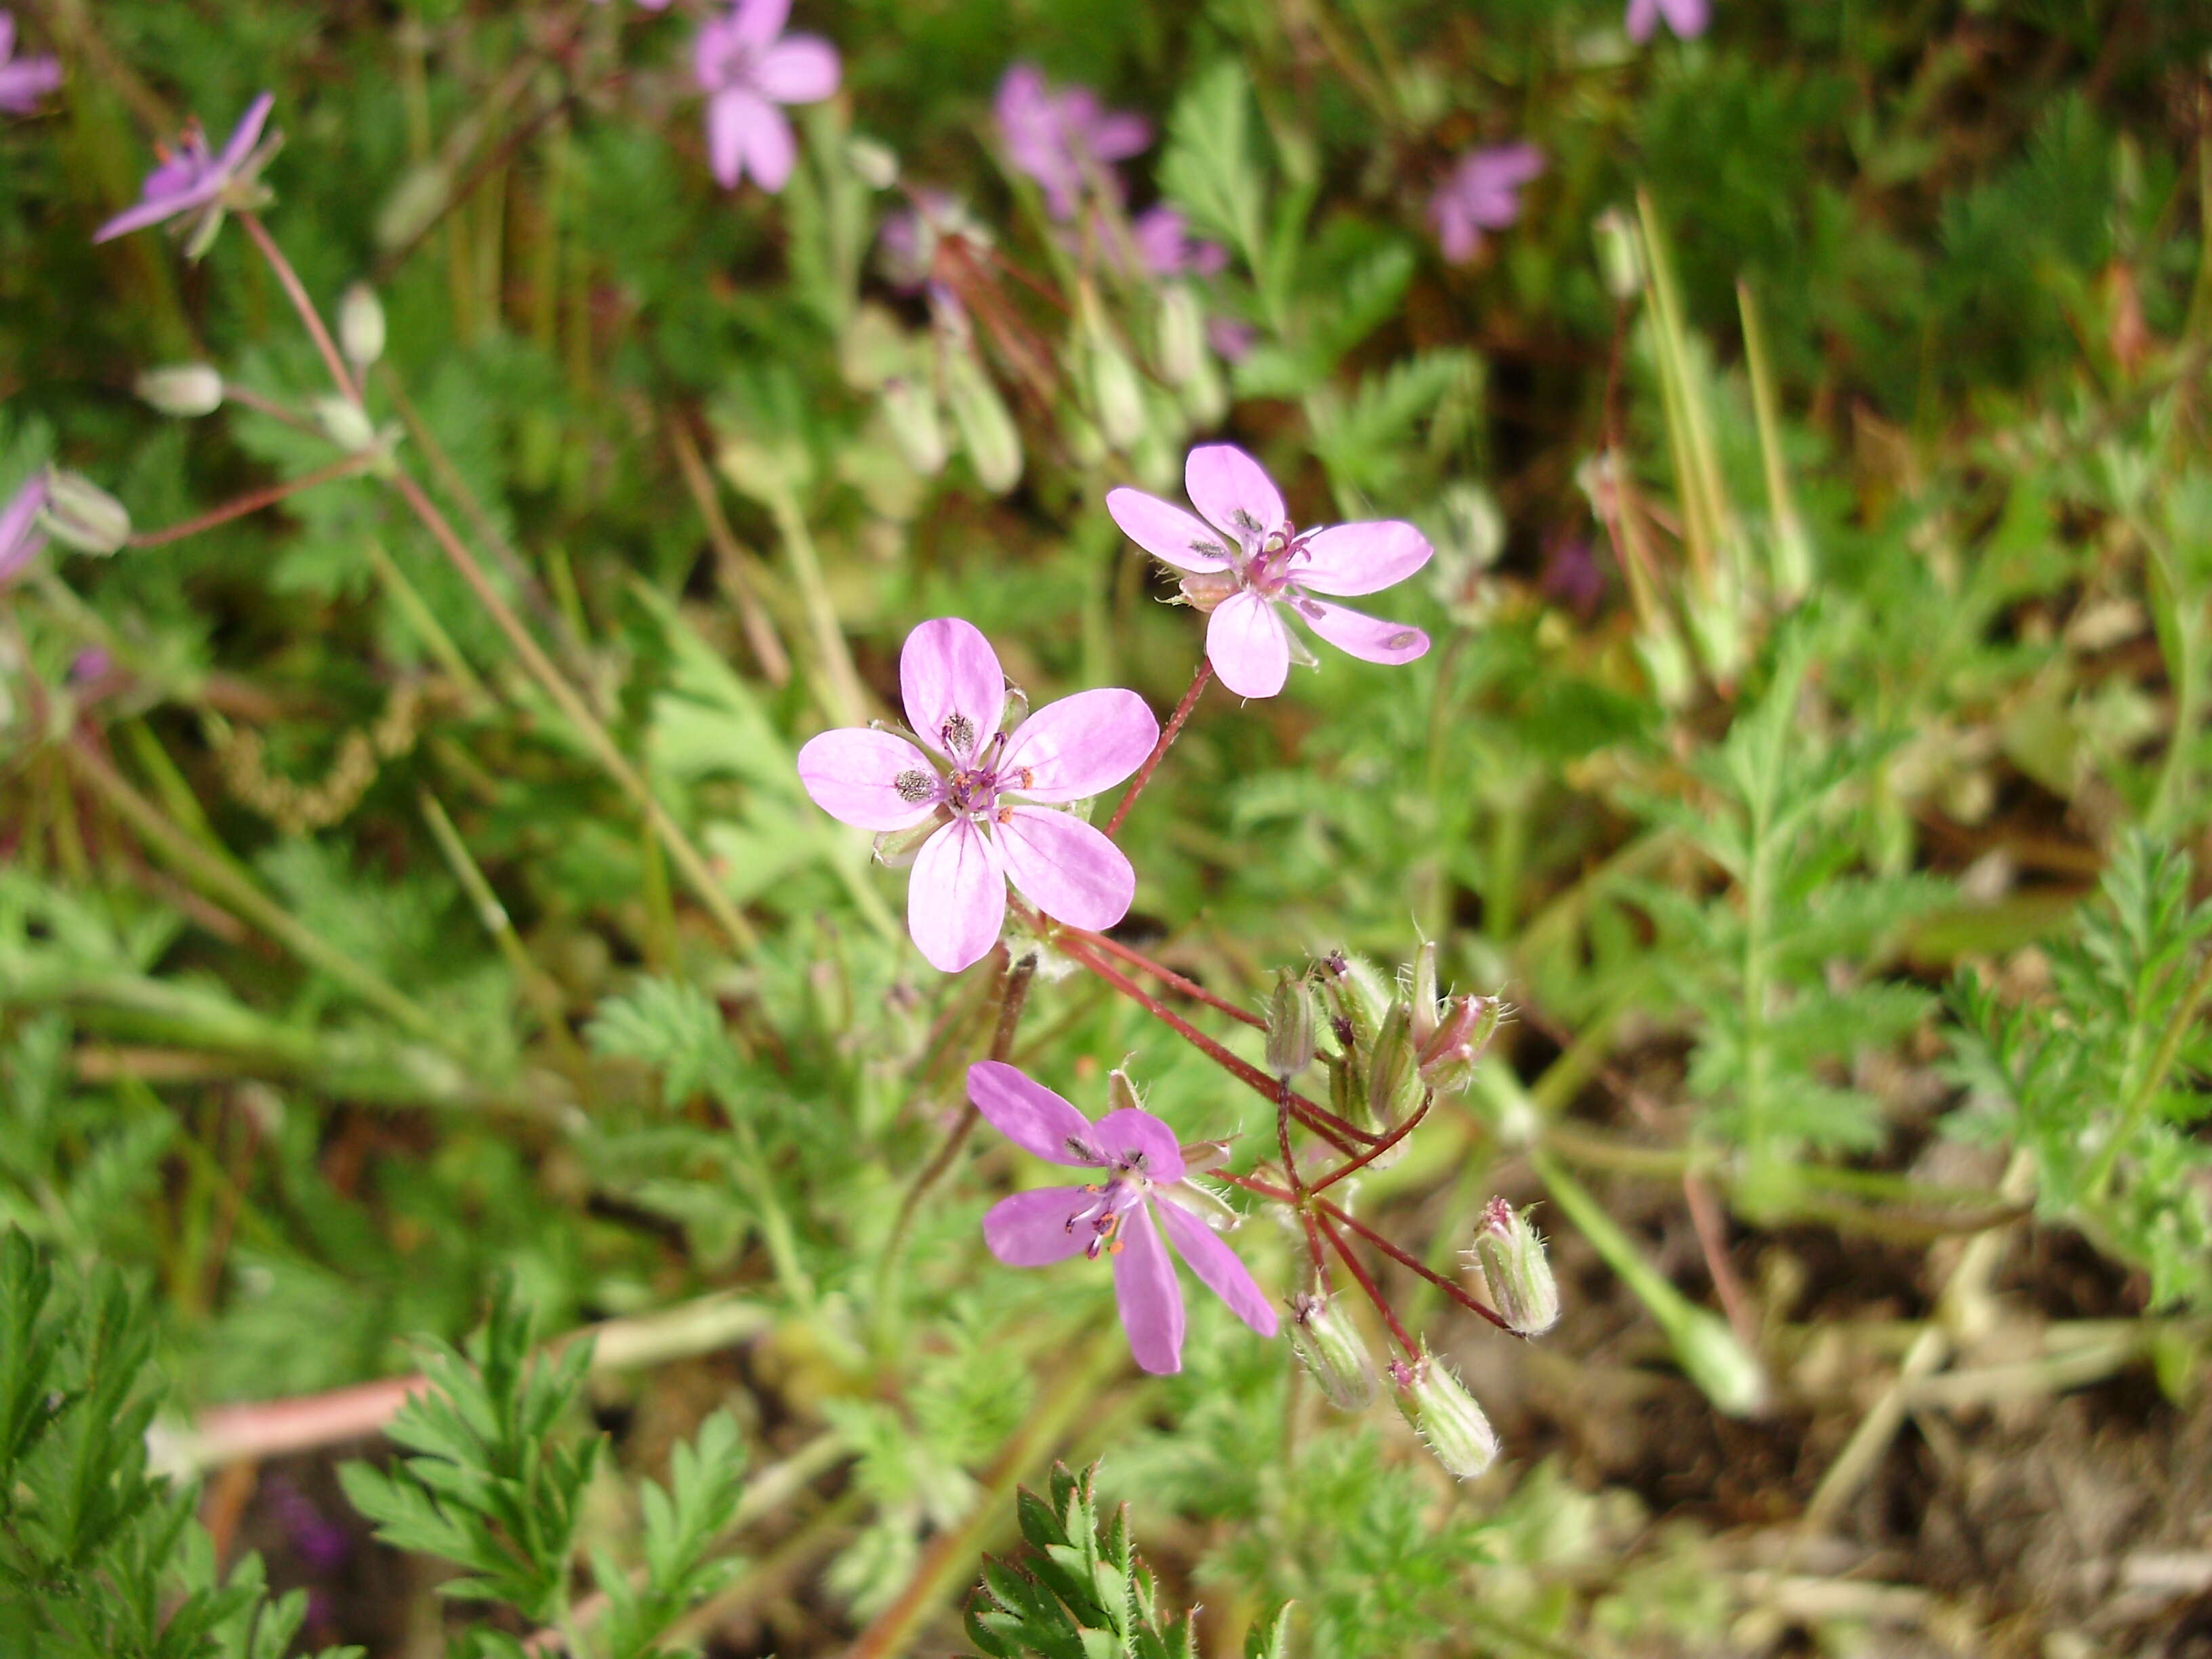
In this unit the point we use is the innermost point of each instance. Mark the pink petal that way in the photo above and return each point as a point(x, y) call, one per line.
point(801, 69)
point(1030, 1114)
point(769, 147)
point(947, 668)
point(1166, 532)
point(1131, 1131)
point(1456, 232)
point(150, 212)
point(1079, 745)
point(853, 776)
point(1643, 18)
point(7, 35)
point(1360, 558)
point(1688, 18)
point(1116, 137)
point(1030, 1229)
point(756, 22)
point(1372, 639)
point(1249, 650)
point(247, 132)
point(956, 901)
point(1150, 1301)
point(1233, 492)
point(1064, 867)
point(727, 114)
point(1217, 1266)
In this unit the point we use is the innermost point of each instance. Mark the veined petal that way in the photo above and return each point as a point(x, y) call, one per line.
point(1064, 867)
point(1131, 1130)
point(1150, 1299)
point(1167, 532)
point(1372, 639)
point(956, 900)
point(770, 149)
point(947, 671)
point(756, 22)
point(1030, 1115)
point(1079, 745)
point(1217, 1266)
point(854, 774)
point(1030, 1229)
point(1233, 491)
point(1244, 637)
point(801, 68)
point(1359, 558)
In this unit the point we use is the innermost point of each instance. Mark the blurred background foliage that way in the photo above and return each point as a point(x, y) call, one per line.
point(1812, 752)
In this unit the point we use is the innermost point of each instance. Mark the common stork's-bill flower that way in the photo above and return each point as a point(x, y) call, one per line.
point(1142, 1179)
point(1482, 192)
point(994, 794)
point(748, 66)
point(1247, 564)
point(23, 81)
point(1688, 18)
point(201, 184)
point(1062, 137)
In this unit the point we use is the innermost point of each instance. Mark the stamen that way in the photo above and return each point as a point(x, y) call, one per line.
point(1399, 641)
point(959, 734)
point(914, 786)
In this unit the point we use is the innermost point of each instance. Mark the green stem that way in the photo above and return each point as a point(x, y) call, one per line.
point(2147, 1087)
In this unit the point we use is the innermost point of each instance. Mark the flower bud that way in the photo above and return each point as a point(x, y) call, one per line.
point(875, 165)
point(183, 390)
point(987, 429)
point(1427, 1008)
point(1183, 334)
point(1331, 1348)
point(361, 325)
point(346, 424)
point(1120, 398)
point(1509, 1258)
point(79, 514)
point(910, 411)
point(1619, 257)
point(1362, 996)
point(1394, 1073)
point(1122, 1095)
point(1462, 1032)
point(1444, 1414)
point(1291, 1025)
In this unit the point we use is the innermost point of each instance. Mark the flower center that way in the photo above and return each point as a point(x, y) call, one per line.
point(973, 787)
point(1110, 1201)
point(1266, 565)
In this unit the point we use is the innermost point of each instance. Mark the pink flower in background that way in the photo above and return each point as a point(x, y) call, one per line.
point(650, 5)
point(23, 81)
point(747, 66)
point(20, 536)
point(196, 181)
point(991, 791)
point(1247, 563)
point(1688, 18)
point(1061, 136)
point(1145, 1174)
point(1483, 193)
point(1167, 247)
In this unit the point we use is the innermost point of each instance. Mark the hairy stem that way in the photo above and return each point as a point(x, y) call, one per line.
point(1366, 1282)
point(1168, 975)
point(1169, 733)
point(288, 280)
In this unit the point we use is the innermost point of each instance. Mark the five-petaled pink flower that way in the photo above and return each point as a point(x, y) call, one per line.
point(1144, 1172)
point(991, 791)
point(196, 181)
point(1481, 193)
point(1688, 18)
point(23, 81)
point(1063, 137)
point(1249, 558)
point(747, 66)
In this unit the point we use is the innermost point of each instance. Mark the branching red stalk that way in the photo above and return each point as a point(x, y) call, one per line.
point(1373, 1152)
point(1168, 975)
point(296, 291)
point(254, 501)
point(1374, 1291)
point(1169, 733)
point(1419, 1267)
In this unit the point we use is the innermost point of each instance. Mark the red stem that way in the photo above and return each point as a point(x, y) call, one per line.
point(1323, 1121)
point(254, 501)
point(290, 279)
point(1373, 1152)
point(1168, 975)
point(1168, 735)
point(1417, 1265)
point(1374, 1292)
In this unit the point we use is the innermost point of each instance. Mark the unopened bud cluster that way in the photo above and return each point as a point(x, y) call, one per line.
point(1390, 1045)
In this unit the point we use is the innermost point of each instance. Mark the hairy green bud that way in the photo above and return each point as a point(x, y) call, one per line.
point(986, 427)
point(79, 514)
point(361, 325)
point(1331, 1348)
point(1394, 1075)
point(1444, 1414)
point(1619, 255)
point(1291, 1025)
point(1183, 334)
point(1120, 398)
point(1516, 1273)
point(183, 390)
point(1462, 1032)
point(910, 411)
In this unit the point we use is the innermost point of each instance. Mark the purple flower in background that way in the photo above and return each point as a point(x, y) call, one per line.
point(23, 81)
point(1688, 18)
point(1247, 559)
point(1481, 193)
point(991, 793)
point(1144, 1180)
point(1571, 575)
point(196, 181)
point(1061, 136)
point(650, 5)
point(20, 535)
point(1167, 247)
point(747, 66)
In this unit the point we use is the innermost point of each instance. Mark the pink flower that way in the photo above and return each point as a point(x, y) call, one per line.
point(23, 81)
point(1252, 560)
point(1481, 193)
point(1688, 18)
point(1164, 243)
point(747, 66)
point(1144, 1173)
point(990, 792)
point(1063, 137)
point(21, 536)
point(196, 181)
point(650, 5)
